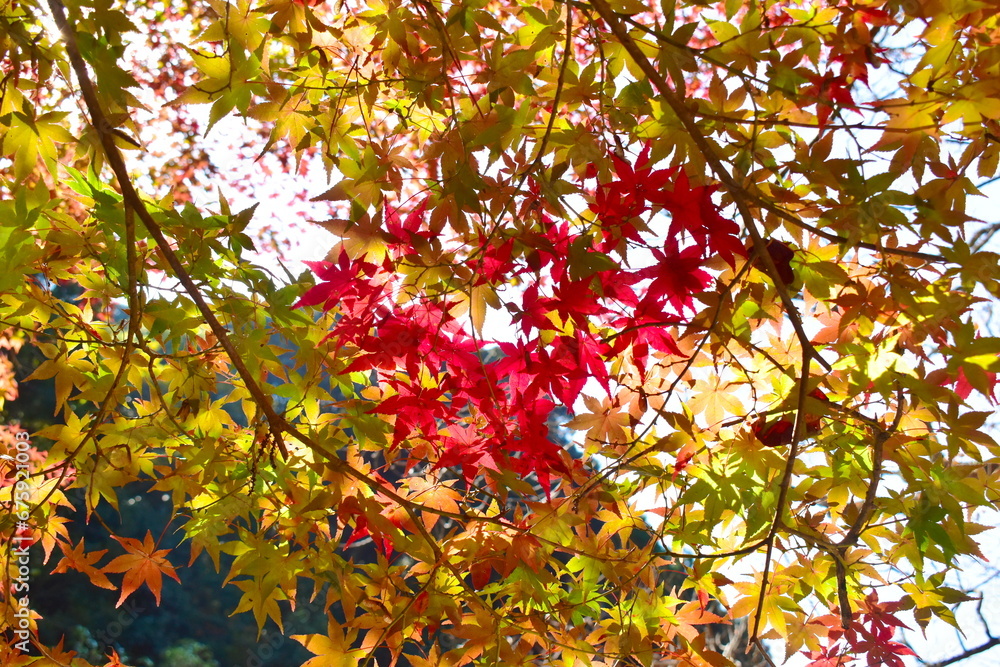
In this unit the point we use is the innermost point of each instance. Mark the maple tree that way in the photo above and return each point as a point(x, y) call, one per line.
point(732, 238)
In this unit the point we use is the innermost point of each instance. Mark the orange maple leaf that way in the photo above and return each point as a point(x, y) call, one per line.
point(115, 659)
point(77, 559)
point(142, 564)
point(58, 654)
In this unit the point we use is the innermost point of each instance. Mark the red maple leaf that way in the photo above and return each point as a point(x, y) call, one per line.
point(464, 447)
point(870, 15)
point(693, 211)
point(620, 202)
point(777, 16)
point(575, 300)
point(676, 277)
point(417, 409)
point(775, 433)
point(571, 361)
point(534, 307)
point(518, 366)
point(407, 232)
point(611, 286)
point(830, 656)
point(827, 91)
point(342, 281)
point(779, 431)
point(644, 328)
point(350, 507)
point(963, 387)
point(549, 246)
point(495, 262)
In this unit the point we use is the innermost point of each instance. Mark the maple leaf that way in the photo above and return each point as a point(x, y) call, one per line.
point(407, 232)
point(781, 254)
point(827, 91)
point(693, 211)
point(342, 281)
point(59, 654)
point(533, 312)
point(571, 361)
point(643, 329)
point(774, 434)
point(365, 235)
point(611, 286)
point(778, 432)
point(604, 423)
point(464, 448)
point(333, 649)
point(261, 598)
point(828, 657)
point(56, 532)
point(986, 382)
point(440, 496)
point(143, 564)
point(495, 261)
point(619, 203)
point(518, 366)
point(115, 660)
point(714, 400)
point(855, 64)
point(417, 409)
point(535, 452)
point(777, 16)
point(677, 276)
point(76, 558)
point(575, 300)
point(550, 247)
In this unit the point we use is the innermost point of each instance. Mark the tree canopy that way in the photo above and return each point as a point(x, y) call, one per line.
point(733, 239)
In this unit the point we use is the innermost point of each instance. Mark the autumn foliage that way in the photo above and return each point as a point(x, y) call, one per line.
point(732, 240)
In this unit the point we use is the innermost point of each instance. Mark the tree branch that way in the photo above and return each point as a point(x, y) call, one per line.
point(968, 653)
point(132, 200)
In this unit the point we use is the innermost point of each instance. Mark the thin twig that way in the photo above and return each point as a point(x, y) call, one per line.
point(798, 434)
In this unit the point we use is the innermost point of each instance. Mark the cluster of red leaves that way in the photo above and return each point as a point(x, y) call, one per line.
point(872, 629)
point(639, 189)
point(445, 379)
point(677, 274)
point(482, 416)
